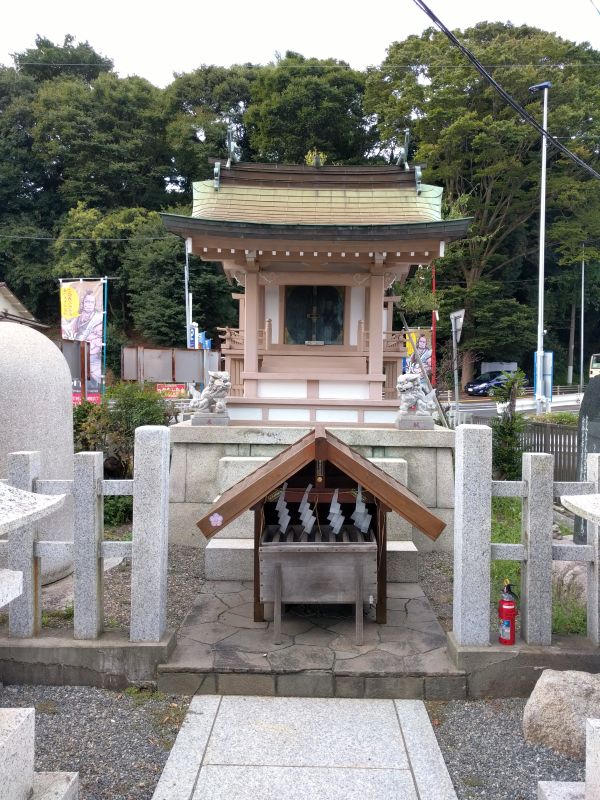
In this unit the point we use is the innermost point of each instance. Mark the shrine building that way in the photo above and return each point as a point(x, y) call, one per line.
point(315, 249)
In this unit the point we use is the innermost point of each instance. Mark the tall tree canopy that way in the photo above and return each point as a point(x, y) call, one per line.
point(300, 104)
point(489, 160)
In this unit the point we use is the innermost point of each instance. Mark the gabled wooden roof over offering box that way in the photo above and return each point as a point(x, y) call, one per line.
point(319, 445)
point(338, 471)
point(316, 249)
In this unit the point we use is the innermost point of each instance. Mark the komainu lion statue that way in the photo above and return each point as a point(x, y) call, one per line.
point(213, 398)
point(412, 397)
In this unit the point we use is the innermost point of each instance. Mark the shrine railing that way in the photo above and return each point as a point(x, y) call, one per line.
point(147, 549)
point(474, 550)
point(231, 338)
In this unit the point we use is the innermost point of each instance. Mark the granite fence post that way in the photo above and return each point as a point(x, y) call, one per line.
point(592, 757)
point(472, 534)
point(88, 529)
point(150, 534)
point(25, 611)
point(593, 570)
point(536, 535)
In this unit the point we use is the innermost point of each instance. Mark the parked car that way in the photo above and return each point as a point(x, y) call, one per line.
point(489, 387)
point(483, 378)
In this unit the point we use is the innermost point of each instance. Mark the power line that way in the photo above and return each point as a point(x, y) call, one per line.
point(84, 239)
point(513, 103)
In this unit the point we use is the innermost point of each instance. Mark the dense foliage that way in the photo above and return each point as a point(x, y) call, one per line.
point(87, 159)
point(110, 426)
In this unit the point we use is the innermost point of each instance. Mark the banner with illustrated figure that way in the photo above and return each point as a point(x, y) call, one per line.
point(422, 338)
point(82, 319)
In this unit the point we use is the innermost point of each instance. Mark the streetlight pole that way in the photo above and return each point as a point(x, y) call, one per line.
point(539, 356)
point(582, 312)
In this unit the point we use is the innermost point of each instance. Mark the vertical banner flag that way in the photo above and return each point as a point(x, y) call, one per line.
point(82, 319)
point(422, 338)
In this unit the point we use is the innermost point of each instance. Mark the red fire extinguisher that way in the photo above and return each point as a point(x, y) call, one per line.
point(507, 614)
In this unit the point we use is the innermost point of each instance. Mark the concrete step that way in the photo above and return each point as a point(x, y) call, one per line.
point(233, 560)
point(55, 786)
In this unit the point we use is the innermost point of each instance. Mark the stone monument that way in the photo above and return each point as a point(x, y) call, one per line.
point(588, 441)
point(416, 407)
point(210, 407)
point(36, 414)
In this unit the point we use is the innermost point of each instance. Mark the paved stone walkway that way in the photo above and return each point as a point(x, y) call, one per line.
point(243, 748)
point(221, 650)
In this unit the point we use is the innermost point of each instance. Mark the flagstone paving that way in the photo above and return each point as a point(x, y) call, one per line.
point(221, 650)
point(241, 748)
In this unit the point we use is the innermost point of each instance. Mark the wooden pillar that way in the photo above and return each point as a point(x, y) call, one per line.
point(251, 332)
point(376, 332)
point(259, 608)
point(381, 536)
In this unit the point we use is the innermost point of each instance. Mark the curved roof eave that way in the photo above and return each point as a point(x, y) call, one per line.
point(448, 230)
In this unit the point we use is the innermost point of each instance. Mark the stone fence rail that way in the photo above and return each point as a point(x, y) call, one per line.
point(147, 550)
point(474, 550)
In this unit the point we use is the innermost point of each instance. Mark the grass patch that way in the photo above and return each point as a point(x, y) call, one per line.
point(140, 695)
point(506, 528)
point(122, 533)
point(46, 707)
point(569, 614)
point(52, 619)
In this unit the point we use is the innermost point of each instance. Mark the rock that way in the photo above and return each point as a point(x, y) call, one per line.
point(556, 711)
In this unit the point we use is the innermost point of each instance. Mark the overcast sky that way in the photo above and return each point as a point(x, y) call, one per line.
point(155, 40)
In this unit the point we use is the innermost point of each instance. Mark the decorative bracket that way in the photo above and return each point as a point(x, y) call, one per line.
point(418, 178)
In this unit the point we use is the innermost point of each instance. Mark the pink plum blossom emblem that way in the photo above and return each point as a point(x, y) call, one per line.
point(216, 520)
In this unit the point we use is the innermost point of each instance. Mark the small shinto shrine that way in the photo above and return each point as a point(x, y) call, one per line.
point(320, 513)
point(315, 249)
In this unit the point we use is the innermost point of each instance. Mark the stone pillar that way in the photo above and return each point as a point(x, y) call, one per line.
point(17, 734)
point(472, 534)
point(592, 756)
point(150, 534)
point(87, 538)
point(536, 535)
point(25, 611)
point(593, 569)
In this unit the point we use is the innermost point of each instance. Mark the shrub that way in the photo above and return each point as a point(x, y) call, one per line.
point(558, 417)
point(507, 429)
point(110, 426)
point(118, 510)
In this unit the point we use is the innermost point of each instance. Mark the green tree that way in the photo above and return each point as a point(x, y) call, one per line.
point(103, 142)
point(487, 159)
point(199, 106)
point(131, 245)
point(299, 104)
point(47, 60)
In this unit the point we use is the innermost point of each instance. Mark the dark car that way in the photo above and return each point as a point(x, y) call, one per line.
point(490, 387)
point(483, 378)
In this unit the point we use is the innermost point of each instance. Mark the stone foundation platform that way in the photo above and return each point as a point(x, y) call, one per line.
point(221, 650)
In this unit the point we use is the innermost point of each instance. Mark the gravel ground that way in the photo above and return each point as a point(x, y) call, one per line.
point(118, 741)
point(485, 752)
point(185, 577)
